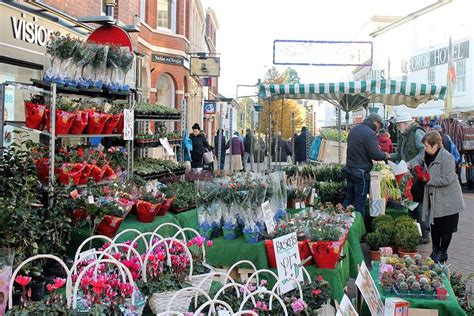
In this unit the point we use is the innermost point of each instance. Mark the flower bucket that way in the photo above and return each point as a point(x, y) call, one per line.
point(325, 253)
point(79, 123)
point(146, 211)
point(65, 175)
point(63, 121)
point(86, 173)
point(119, 127)
point(97, 173)
point(96, 122)
point(165, 206)
point(205, 230)
point(109, 225)
point(111, 124)
point(303, 248)
point(34, 114)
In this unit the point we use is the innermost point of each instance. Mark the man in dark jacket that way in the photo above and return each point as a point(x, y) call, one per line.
point(281, 145)
point(300, 146)
point(220, 147)
point(200, 145)
point(249, 142)
point(362, 148)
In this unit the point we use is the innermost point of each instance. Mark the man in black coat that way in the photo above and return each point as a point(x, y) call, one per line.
point(200, 146)
point(362, 148)
point(300, 146)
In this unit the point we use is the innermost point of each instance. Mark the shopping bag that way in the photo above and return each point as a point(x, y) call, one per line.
point(208, 157)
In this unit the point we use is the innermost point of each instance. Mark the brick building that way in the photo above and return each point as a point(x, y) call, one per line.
point(168, 31)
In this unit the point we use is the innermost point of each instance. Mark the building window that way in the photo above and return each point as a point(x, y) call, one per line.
point(103, 8)
point(431, 75)
point(166, 17)
point(165, 91)
point(461, 76)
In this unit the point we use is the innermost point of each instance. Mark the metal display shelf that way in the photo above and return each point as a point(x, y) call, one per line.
point(82, 91)
point(156, 118)
point(37, 131)
point(162, 175)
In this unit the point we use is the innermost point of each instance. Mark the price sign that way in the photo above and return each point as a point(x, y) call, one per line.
point(268, 217)
point(90, 199)
point(128, 124)
point(288, 260)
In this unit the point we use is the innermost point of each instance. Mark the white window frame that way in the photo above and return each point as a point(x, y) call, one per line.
point(102, 8)
point(431, 75)
point(171, 17)
point(143, 10)
point(461, 77)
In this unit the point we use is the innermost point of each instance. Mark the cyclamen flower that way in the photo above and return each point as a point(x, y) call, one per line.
point(51, 287)
point(126, 289)
point(23, 280)
point(261, 305)
point(263, 282)
point(209, 243)
point(320, 278)
point(316, 292)
point(298, 306)
point(59, 282)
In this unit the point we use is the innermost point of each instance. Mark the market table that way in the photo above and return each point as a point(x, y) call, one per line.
point(449, 306)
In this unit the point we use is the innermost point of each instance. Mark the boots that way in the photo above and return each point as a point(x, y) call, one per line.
point(435, 254)
point(443, 256)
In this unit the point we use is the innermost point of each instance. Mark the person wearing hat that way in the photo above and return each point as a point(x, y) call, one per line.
point(410, 145)
point(200, 146)
point(362, 148)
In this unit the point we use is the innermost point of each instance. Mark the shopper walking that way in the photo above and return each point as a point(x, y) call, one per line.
point(249, 144)
point(220, 148)
point(237, 152)
point(281, 148)
point(300, 146)
point(443, 200)
point(385, 143)
point(362, 148)
point(410, 144)
point(200, 146)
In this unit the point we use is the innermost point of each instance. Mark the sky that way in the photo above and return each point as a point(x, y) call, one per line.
point(247, 29)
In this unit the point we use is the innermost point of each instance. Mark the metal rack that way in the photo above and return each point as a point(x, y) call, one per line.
point(52, 90)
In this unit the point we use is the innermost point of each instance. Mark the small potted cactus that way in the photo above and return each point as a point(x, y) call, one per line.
point(403, 288)
point(387, 282)
point(411, 279)
point(428, 290)
point(416, 288)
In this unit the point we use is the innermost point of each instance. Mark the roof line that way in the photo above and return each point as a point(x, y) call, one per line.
point(411, 16)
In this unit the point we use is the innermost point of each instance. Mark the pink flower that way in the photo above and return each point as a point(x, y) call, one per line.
point(316, 292)
point(320, 278)
point(263, 282)
point(59, 282)
point(298, 306)
point(51, 287)
point(261, 305)
point(209, 243)
point(111, 294)
point(22, 280)
point(126, 289)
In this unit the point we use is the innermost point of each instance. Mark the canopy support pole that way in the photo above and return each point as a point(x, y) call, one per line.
point(339, 134)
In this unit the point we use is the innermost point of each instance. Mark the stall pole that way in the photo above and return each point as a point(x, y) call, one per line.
point(2, 105)
point(268, 136)
point(339, 134)
point(277, 143)
point(252, 142)
point(231, 135)
point(258, 140)
point(293, 138)
point(52, 145)
point(219, 137)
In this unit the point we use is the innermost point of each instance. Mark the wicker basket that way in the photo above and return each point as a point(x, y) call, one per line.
point(159, 301)
point(196, 280)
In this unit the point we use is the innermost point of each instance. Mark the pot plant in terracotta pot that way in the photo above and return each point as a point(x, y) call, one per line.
point(373, 241)
point(406, 236)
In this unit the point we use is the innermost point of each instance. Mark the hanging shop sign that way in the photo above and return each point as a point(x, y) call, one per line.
point(164, 59)
point(205, 66)
point(209, 107)
point(436, 57)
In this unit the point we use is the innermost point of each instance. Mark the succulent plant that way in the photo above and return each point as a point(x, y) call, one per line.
point(411, 279)
point(401, 278)
point(425, 267)
point(403, 286)
point(436, 284)
point(416, 286)
point(404, 270)
point(417, 257)
point(423, 281)
point(427, 288)
point(433, 274)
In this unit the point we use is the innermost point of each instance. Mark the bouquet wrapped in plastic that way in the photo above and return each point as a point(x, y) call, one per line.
point(208, 207)
point(94, 71)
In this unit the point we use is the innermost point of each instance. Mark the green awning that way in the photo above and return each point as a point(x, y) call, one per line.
point(389, 92)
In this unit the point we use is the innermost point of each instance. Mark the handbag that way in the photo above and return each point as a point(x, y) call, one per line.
point(208, 157)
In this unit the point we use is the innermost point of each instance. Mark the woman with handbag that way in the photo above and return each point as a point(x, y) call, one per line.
point(200, 146)
point(443, 200)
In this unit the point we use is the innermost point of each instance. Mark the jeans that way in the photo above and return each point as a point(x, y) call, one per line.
point(356, 194)
point(246, 159)
point(417, 214)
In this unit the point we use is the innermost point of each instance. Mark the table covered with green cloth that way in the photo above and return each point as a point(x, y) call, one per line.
point(449, 306)
point(78, 235)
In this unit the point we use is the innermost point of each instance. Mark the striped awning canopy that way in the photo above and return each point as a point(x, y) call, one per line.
point(389, 92)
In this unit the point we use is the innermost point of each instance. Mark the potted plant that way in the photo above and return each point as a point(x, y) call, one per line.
point(147, 207)
point(113, 214)
point(373, 241)
point(406, 236)
point(325, 244)
point(65, 116)
point(416, 289)
point(441, 292)
point(34, 111)
point(428, 290)
point(403, 288)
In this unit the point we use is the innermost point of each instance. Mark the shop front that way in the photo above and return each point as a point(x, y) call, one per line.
point(23, 42)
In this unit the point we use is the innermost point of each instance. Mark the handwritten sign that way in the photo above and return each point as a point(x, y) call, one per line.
point(369, 291)
point(288, 260)
point(128, 124)
point(166, 145)
point(268, 217)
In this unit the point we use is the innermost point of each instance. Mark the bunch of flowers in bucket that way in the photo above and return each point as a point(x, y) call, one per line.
point(209, 208)
point(75, 63)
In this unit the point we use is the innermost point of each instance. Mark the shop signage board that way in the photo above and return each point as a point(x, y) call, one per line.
point(436, 57)
point(205, 67)
point(209, 107)
point(288, 261)
point(164, 59)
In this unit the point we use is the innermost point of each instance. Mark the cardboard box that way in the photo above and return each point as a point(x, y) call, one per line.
point(422, 312)
point(329, 152)
point(395, 306)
